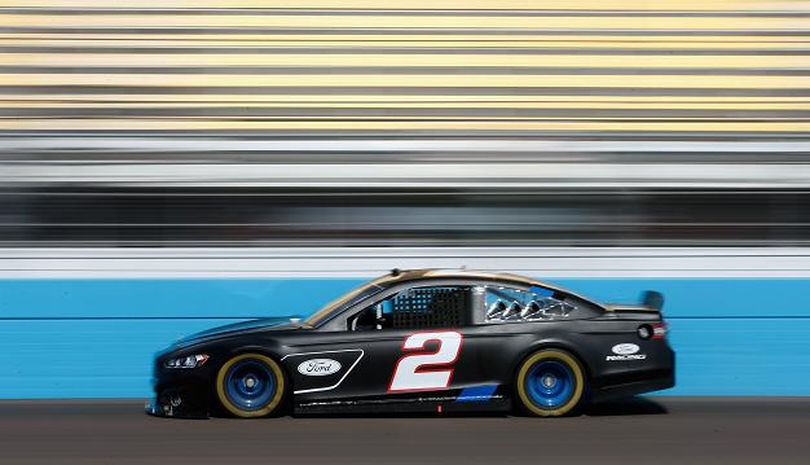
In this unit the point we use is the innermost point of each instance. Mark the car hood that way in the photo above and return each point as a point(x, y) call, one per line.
point(257, 325)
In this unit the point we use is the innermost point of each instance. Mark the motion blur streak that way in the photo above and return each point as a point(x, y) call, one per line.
point(168, 166)
point(563, 68)
point(364, 123)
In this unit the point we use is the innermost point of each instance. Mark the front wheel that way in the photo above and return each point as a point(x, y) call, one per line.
point(250, 386)
point(550, 383)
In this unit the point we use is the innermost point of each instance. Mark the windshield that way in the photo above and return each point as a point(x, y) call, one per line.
point(345, 301)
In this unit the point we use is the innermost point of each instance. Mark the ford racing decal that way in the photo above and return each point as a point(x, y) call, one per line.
point(625, 351)
point(319, 367)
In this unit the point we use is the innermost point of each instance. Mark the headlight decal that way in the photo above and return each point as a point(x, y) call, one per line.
point(186, 361)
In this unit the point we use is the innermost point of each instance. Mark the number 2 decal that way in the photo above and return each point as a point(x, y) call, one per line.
point(426, 371)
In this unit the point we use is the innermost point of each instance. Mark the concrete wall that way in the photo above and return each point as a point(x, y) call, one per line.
point(68, 336)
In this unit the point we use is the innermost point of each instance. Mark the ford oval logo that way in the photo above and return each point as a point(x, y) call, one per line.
point(319, 367)
point(625, 349)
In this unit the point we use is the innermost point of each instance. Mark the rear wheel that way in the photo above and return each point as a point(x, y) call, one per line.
point(250, 386)
point(550, 383)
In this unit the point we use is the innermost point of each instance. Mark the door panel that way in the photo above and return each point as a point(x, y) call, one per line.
point(413, 341)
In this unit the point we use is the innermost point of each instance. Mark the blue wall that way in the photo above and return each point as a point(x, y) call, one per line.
point(95, 338)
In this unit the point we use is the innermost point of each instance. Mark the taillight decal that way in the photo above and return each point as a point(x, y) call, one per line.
point(659, 330)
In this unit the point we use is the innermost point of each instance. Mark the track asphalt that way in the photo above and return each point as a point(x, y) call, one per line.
point(682, 431)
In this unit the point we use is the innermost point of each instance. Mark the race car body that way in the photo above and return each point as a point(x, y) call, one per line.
point(423, 341)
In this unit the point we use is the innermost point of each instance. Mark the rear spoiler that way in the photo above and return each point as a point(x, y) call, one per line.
point(651, 301)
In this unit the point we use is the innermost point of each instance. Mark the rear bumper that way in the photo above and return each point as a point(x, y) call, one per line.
point(654, 377)
point(654, 382)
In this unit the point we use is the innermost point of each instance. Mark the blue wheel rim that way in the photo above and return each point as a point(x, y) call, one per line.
point(250, 384)
point(550, 384)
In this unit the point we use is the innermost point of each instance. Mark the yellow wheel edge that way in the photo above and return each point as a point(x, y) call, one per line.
point(264, 411)
point(547, 354)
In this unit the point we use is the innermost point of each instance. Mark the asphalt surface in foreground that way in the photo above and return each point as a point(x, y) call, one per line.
point(664, 431)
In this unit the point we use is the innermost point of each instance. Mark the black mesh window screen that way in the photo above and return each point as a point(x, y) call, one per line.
point(431, 307)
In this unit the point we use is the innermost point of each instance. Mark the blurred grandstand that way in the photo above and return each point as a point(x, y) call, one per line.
point(360, 123)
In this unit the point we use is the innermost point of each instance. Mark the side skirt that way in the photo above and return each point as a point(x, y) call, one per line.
point(428, 403)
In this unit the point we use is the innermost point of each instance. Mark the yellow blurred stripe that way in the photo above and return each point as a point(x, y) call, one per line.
point(719, 5)
point(257, 47)
point(447, 23)
point(327, 37)
point(505, 44)
point(250, 103)
point(428, 80)
point(348, 59)
point(360, 99)
point(214, 124)
point(394, 36)
point(149, 36)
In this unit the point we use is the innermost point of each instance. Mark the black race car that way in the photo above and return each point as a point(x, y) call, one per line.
point(423, 341)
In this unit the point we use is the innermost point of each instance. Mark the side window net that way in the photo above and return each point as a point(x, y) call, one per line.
point(506, 304)
point(417, 308)
point(430, 307)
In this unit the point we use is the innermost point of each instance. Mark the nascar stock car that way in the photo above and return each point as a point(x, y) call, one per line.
point(423, 341)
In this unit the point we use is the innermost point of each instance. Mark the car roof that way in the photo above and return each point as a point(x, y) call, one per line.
point(401, 276)
point(397, 276)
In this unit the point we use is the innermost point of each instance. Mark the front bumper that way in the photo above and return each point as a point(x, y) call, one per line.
point(180, 393)
point(177, 405)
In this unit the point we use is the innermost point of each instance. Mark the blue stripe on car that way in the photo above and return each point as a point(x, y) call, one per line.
point(477, 393)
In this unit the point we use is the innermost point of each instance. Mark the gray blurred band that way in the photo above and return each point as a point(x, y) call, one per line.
point(363, 262)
